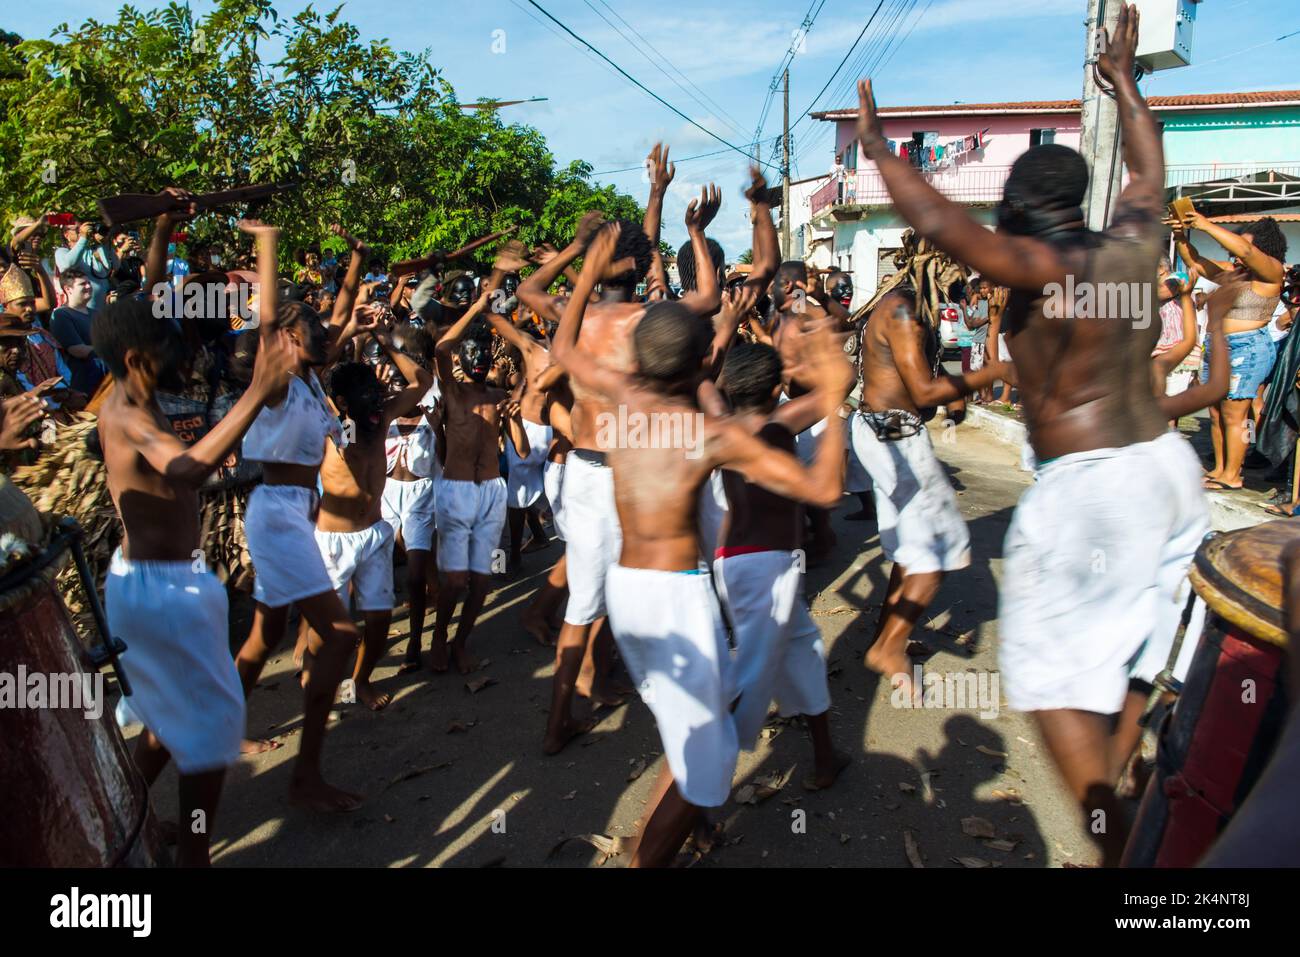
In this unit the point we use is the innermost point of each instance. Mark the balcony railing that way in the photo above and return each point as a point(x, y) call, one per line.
point(976, 183)
point(962, 184)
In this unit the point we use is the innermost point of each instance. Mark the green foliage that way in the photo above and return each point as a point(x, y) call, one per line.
point(371, 134)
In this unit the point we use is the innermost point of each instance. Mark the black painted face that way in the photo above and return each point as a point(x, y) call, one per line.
point(510, 283)
point(476, 358)
point(842, 291)
point(461, 291)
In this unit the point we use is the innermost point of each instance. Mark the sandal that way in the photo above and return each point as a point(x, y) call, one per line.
point(1214, 485)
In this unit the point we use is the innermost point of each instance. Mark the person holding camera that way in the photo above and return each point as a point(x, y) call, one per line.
point(90, 249)
point(1256, 254)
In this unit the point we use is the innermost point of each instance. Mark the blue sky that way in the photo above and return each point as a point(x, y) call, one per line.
point(723, 54)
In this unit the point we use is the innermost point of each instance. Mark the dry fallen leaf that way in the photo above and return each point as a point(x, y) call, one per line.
point(638, 769)
point(478, 684)
point(607, 846)
point(460, 726)
point(416, 772)
point(570, 796)
point(906, 788)
point(990, 752)
point(845, 838)
point(1002, 845)
point(971, 862)
point(911, 850)
point(978, 827)
point(1010, 794)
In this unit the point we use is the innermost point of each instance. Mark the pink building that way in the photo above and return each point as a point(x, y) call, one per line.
point(1234, 153)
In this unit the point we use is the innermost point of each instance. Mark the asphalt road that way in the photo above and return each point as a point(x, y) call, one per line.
point(458, 778)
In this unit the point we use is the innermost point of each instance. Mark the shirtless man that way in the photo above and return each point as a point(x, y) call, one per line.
point(662, 610)
point(591, 518)
point(354, 539)
point(168, 607)
point(1092, 552)
point(921, 528)
point(471, 495)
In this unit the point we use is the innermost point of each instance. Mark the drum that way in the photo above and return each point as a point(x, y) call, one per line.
point(1223, 729)
point(73, 797)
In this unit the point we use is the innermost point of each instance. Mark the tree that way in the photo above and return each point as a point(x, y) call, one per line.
point(370, 134)
point(747, 257)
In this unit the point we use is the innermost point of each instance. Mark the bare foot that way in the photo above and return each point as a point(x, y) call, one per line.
point(465, 662)
point(607, 694)
point(409, 665)
point(541, 633)
point(316, 795)
point(554, 743)
point(258, 746)
point(438, 656)
point(372, 699)
point(824, 777)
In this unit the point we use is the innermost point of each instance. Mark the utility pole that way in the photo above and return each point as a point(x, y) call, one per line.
point(785, 172)
point(1099, 140)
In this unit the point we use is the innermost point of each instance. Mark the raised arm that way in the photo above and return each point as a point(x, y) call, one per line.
point(1205, 394)
point(347, 294)
point(585, 369)
point(265, 239)
point(418, 379)
point(155, 263)
point(766, 247)
point(277, 359)
point(705, 298)
point(1142, 200)
point(661, 174)
point(1264, 267)
point(534, 291)
point(1011, 260)
point(822, 483)
point(510, 258)
point(736, 305)
point(442, 352)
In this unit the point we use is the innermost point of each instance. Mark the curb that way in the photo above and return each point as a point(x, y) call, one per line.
point(1226, 510)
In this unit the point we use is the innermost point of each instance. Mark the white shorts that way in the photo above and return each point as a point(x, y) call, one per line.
point(409, 507)
point(185, 688)
point(670, 635)
point(553, 485)
point(470, 518)
point(1179, 381)
point(524, 476)
point(1004, 354)
point(779, 650)
point(364, 559)
point(281, 531)
point(709, 514)
point(976, 356)
point(593, 537)
point(805, 443)
point(1094, 573)
point(920, 525)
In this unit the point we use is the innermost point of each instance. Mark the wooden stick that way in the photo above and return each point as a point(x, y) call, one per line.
point(407, 266)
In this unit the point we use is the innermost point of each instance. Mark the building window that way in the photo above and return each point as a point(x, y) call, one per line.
point(851, 156)
point(1041, 137)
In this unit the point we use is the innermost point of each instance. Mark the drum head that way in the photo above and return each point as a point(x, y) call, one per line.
point(1239, 574)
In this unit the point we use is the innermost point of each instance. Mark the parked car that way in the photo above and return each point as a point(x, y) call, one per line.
point(950, 327)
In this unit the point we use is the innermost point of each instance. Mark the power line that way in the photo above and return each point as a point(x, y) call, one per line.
point(684, 159)
point(712, 103)
point(809, 19)
point(880, 47)
point(658, 67)
point(640, 85)
point(814, 100)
